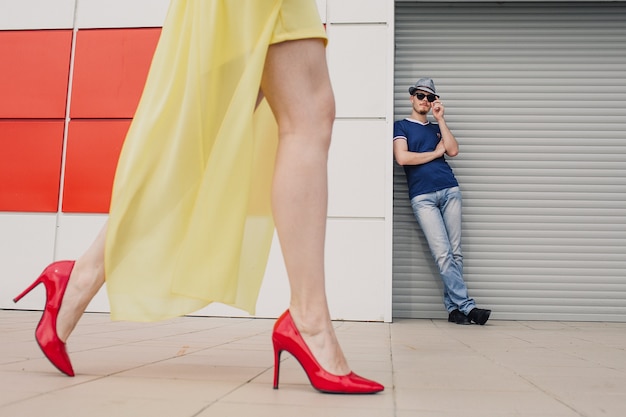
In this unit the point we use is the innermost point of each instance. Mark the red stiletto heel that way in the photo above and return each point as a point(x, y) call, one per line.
point(55, 278)
point(287, 337)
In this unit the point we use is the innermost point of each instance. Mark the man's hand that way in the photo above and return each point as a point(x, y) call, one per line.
point(441, 148)
point(438, 109)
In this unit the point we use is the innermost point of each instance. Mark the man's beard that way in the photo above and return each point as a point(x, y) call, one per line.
point(422, 112)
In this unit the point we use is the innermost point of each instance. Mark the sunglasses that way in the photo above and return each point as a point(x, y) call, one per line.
point(430, 97)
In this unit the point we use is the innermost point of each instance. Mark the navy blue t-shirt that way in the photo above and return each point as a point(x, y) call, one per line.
point(429, 177)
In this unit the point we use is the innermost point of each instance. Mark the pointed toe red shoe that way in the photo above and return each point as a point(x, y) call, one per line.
point(286, 337)
point(55, 278)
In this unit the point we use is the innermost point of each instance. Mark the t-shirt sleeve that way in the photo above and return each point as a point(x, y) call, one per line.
point(398, 130)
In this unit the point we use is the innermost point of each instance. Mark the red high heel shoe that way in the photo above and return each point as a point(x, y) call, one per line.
point(55, 278)
point(287, 337)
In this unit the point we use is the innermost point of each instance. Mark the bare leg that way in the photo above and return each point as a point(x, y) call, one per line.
point(86, 279)
point(297, 86)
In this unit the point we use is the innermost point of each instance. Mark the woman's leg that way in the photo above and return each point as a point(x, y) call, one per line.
point(86, 279)
point(297, 86)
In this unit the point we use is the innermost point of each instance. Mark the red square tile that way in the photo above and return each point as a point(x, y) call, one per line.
point(30, 165)
point(110, 70)
point(93, 148)
point(34, 73)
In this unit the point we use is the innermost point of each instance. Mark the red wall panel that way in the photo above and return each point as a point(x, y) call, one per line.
point(34, 73)
point(30, 165)
point(93, 148)
point(110, 70)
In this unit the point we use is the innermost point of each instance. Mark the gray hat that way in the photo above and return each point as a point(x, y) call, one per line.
point(424, 84)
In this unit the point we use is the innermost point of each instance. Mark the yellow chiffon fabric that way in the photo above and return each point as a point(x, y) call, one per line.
point(190, 220)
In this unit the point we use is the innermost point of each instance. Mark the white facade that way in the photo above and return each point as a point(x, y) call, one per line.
point(358, 255)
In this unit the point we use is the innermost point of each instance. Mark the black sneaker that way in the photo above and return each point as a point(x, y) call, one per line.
point(457, 317)
point(479, 315)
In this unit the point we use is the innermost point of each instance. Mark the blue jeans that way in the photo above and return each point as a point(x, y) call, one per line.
point(439, 216)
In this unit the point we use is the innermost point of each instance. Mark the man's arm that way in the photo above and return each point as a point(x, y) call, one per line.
point(449, 141)
point(405, 157)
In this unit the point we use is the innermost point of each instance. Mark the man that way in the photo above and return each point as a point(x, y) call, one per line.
point(419, 146)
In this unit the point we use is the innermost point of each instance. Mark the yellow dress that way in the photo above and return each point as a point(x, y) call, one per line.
point(190, 220)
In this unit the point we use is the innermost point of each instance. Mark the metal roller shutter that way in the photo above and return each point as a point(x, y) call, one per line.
point(535, 92)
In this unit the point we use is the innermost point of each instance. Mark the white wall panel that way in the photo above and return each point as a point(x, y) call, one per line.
point(36, 14)
point(76, 232)
point(356, 168)
point(360, 11)
point(355, 270)
point(26, 248)
point(359, 67)
point(121, 13)
point(274, 294)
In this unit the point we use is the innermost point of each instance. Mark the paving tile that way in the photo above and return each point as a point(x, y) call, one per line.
point(198, 366)
point(488, 402)
point(274, 410)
